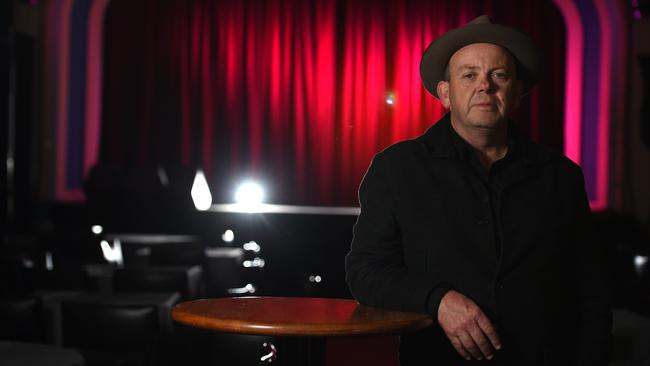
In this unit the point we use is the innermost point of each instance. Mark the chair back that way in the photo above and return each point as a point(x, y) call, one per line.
point(111, 334)
point(20, 319)
point(186, 280)
point(178, 254)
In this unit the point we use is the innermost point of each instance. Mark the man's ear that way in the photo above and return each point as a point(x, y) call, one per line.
point(443, 93)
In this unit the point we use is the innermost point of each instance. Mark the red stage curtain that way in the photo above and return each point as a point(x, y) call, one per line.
point(292, 93)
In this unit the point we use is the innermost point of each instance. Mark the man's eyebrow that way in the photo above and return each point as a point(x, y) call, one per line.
point(470, 67)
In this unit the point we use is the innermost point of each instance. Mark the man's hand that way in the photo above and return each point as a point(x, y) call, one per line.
point(467, 327)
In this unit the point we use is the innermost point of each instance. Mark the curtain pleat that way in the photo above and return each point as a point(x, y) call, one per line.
point(296, 94)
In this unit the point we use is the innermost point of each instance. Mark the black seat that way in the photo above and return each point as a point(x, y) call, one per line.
point(111, 334)
point(35, 354)
point(186, 280)
point(178, 254)
point(20, 319)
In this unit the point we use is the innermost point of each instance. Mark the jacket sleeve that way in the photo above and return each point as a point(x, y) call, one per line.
point(595, 287)
point(375, 270)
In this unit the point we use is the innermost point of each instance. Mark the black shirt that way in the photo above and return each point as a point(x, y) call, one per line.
point(488, 182)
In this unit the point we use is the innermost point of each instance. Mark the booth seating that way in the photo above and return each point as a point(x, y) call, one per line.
point(178, 254)
point(106, 328)
point(20, 319)
point(224, 271)
point(141, 249)
point(186, 280)
point(118, 328)
point(110, 333)
point(631, 333)
point(53, 301)
point(34, 354)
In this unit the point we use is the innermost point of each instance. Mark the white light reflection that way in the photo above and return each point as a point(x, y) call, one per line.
point(315, 278)
point(640, 264)
point(162, 176)
point(228, 236)
point(272, 355)
point(49, 264)
point(252, 246)
point(256, 262)
point(107, 251)
point(117, 251)
point(26, 262)
point(201, 192)
point(248, 289)
point(97, 229)
point(112, 254)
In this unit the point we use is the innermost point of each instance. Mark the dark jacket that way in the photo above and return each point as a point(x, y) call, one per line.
point(427, 225)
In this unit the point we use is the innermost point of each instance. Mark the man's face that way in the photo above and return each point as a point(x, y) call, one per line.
point(482, 87)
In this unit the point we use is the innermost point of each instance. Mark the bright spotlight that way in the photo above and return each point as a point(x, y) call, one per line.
point(97, 229)
point(201, 192)
point(249, 196)
point(640, 260)
point(640, 263)
point(228, 236)
point(390, 99)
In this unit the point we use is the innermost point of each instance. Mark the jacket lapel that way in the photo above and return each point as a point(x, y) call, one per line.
point(529, 158)
point(437, 141)
point(455, 178)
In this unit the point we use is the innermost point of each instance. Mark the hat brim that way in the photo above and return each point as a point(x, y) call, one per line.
point(437, 55)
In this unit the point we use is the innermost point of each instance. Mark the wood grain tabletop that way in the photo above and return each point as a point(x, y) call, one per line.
point(295, 316)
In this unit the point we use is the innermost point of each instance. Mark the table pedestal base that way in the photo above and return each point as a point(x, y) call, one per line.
point(295, 351)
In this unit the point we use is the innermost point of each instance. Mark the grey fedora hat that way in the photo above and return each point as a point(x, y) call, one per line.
point(480, 30)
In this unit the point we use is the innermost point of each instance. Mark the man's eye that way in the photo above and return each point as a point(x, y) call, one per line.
point(469, 76)
point(500, 75)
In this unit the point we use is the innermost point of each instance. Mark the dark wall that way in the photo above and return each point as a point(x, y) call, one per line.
point(5, 24)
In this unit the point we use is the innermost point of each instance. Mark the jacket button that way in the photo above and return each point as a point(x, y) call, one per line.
point(483, 222)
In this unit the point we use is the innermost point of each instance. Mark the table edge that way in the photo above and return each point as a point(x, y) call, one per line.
point(322, 330)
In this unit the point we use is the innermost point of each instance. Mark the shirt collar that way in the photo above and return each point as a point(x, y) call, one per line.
point(464, 149)
point(442, 141)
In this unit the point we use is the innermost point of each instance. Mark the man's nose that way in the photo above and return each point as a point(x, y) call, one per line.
point(485, 84)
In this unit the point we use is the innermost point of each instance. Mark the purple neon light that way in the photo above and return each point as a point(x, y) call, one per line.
point(573, 80)
point(94, 82)
point(606, 30)
point(62, 54)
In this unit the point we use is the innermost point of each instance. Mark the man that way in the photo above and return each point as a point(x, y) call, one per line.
point(480, 227)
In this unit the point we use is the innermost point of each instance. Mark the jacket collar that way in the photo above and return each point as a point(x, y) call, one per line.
point(439, 144)
point(437, 140)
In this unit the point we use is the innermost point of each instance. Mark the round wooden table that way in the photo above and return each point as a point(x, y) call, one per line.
point(296, 317)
